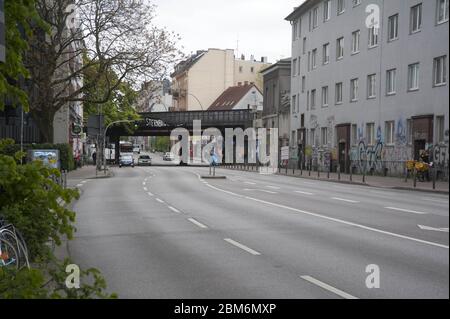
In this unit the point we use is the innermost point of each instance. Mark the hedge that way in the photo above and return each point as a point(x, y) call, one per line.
point(65, 152)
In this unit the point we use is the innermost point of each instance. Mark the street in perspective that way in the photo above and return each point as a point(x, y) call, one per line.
point(297, 153)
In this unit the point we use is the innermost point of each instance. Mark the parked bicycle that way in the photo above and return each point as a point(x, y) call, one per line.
point(13, 248)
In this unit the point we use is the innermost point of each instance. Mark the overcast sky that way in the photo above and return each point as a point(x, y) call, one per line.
point(258, 24)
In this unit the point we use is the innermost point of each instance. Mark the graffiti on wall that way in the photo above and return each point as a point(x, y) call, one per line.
point(369, 156)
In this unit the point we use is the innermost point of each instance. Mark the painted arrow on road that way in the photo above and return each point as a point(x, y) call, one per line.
point(434, 229)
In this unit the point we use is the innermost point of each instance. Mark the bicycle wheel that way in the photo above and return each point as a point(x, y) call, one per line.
point(10, 237)
point(8, 254)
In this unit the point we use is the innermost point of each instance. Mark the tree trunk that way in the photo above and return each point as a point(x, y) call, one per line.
point(44, 121)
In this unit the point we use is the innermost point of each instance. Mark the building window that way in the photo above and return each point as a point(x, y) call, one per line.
point(315, 17)
point(416, 18)
point(326, 10)
point(294, 67)
point(389, 132)
point(294, 138)
point(413, 77)
point(324, 135)
point(326, 53)
point(409, 131)
point(299, 65)
point(440, 70)
point(339, 93)
point(354, 134)
point(442, 11)
point(312, 136)
point(373, 37)
point(325, 96)
point(356, 2)
point(295, 30)
point(309, 61)
point(314, 58)
point(440, 129)
point(252, 69)
point(370, 133)
point(307, 100)
point(241, 69)
point(340, 6)
point(353, 90)
point(355, 41)
point(339, 48)
point(390, 81)
point(371, 86)
point(393, 28)
point(313, 99)
point(294, 103)
point(303, 84)
point(304, 45)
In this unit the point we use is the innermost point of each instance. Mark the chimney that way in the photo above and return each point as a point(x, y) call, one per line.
point(246, 83)
point(242, 57)
point(264, 59)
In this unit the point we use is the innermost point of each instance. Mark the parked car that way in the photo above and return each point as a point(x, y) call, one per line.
point(126, 160)
point(144, 160)
point(168, 156)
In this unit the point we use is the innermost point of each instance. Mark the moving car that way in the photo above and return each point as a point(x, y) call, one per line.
point(168, 156)
point(144, 160)
point(136, 149)
point(126, 160)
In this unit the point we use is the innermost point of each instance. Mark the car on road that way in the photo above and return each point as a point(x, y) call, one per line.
point(168, 156)
point(144, 160)
point(126, 160)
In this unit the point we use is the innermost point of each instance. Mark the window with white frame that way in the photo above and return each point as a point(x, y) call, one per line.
point(355, 41)
point(294, 30)
point(314, 58)
point(303, 84)
point(315, 17)
point(340, 48)
point(307, 100)
point(326, 10)
point(371, 86)
point(354, 134)
point(294, 102)
point(440, 70)
point(442, 11)
point(391, 81)
point(389, 132)
point(304, 45)
point(313, 99)
point(416, 18)
point(440, 129)
point(393, 28)
point(413, 77)
point(370, 133)
point(324, 136)
point(356, 2)
point(326, 53)
point(325, 96)
point(309, 61)
point(340, 6)
point(353, 90)
point(373, 37)
point(338, 97)
point(294, 138)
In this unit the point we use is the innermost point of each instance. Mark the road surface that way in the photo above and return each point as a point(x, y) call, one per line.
point(163, 232)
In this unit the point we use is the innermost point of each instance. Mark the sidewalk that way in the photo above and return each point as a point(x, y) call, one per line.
point(88, 172)
point(374, 181)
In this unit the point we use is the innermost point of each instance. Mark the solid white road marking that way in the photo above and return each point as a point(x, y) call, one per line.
point(445, 230)
point(250, 183)
point(328, 287)
point(406, 210)
point(79, 185)
point(310, 183)
point(145, 189)
point(143, 183)
point(304, 193)
point(243, 247)
point(435, 200)
point(150, 194)
point(345, 200)
point(273, 187)
point(83, 182)
point(160, 200)
point(174, 209)
point(192, 220)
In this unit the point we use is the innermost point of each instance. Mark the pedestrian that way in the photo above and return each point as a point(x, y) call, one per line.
point(94, 158)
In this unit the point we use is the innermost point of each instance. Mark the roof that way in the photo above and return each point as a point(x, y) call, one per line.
point(282, 63)
point(231, 97)
point(298, 10)
point(188, 63)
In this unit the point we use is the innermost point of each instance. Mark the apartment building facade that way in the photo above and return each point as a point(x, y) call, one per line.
point(367, 95)
point(276, 105)
point(202, 78)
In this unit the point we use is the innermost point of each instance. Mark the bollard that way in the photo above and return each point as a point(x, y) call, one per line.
point(309, 169)
point(339, 172)
point(351, 173)
point(434, 177)
point(406, 172)
point(318, 172)
point(415, 177)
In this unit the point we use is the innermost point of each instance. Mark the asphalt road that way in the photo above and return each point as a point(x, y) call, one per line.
point(163, 232)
